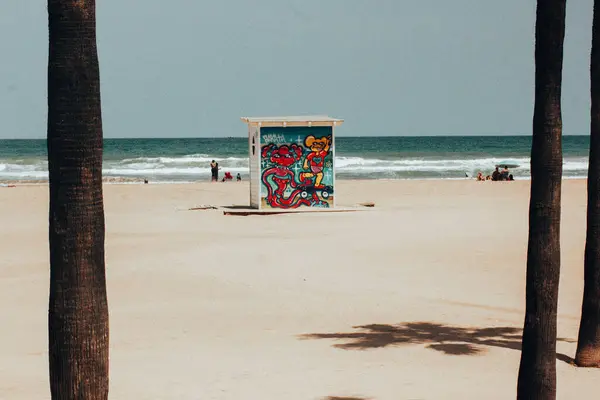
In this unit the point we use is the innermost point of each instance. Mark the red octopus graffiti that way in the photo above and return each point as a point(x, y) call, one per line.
point(282, 157)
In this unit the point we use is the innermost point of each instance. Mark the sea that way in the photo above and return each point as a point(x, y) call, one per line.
point(406, 157)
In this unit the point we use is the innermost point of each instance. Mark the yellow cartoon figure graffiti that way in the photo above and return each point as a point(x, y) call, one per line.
point(315, 160)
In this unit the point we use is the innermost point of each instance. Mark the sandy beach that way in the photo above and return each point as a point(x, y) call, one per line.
point(421, 297)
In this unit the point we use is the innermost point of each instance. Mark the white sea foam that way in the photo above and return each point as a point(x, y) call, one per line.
point(11, 170)
point(187, 159)
point(361, 165)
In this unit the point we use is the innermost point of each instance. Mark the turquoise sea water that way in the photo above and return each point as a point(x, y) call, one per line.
point(186, 160)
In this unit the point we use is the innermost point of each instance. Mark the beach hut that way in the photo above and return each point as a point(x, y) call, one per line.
point(292, 162)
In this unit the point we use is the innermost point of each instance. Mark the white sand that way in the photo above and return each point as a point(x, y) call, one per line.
point(206, 306)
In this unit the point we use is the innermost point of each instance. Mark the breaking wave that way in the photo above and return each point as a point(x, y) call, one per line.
point(196, 167)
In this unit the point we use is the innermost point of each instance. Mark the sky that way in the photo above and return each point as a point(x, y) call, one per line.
point(192, 68)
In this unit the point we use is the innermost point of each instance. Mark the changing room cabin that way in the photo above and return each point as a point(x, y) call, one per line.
point(292, 162)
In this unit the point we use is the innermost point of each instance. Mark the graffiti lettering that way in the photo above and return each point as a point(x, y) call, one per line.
point(276, 138)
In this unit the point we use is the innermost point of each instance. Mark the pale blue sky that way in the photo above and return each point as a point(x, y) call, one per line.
point(192, 68)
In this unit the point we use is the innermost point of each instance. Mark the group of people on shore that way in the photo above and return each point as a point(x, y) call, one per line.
point(214, 170)
point(497, 175)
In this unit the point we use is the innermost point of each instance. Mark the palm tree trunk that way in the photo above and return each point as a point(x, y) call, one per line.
point(78, 309)
point(588, 344)
point(537, 370)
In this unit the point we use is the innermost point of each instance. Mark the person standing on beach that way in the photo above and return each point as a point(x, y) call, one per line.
point(216, 173)
point(213, 170)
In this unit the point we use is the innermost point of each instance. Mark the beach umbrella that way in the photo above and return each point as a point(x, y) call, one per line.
point(508, 164)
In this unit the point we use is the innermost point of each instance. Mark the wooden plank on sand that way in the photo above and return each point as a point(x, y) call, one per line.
point(244, 213)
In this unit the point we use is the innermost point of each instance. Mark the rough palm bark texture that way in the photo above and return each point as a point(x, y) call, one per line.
point(537, 370)
point(78, 309)
point(588, 344)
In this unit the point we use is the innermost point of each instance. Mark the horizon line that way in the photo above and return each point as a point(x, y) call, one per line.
point(339, 136)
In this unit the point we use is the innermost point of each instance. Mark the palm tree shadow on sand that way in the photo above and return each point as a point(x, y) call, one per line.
point(451, 340)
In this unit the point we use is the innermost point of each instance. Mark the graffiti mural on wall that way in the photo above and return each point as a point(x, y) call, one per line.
point(296, 167)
